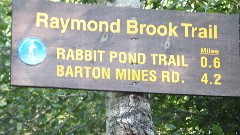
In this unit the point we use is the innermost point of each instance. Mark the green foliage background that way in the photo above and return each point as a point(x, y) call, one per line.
point(25, 110)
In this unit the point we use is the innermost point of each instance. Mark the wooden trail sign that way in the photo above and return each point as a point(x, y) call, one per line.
point(124, 49)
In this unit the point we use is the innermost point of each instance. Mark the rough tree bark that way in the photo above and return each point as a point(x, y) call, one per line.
point(127, 113)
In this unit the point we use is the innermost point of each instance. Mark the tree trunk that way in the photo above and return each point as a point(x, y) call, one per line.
point(127, 113)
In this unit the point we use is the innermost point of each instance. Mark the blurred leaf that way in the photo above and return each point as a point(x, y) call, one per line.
point(3, 102)
point(19, 126)
point(170, 126)
point(217, 130)
point(3, 26)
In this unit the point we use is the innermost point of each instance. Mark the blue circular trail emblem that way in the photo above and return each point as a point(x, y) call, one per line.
point(32, 51)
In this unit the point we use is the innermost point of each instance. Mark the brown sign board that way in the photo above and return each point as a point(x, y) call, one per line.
point(124, 49)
